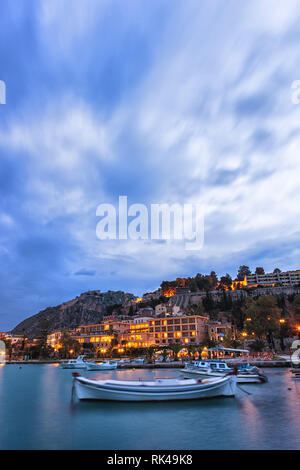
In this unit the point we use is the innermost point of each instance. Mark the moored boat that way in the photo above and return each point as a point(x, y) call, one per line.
point(107, 365)
point(78, 363)
point(163, 389)
point(210, 368)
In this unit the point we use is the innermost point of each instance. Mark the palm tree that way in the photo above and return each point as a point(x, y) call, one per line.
point(191, 350)
point(150, 353)
point(175, 348)
point(165, 353)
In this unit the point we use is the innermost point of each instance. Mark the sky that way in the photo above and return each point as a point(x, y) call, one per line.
point(168, 101)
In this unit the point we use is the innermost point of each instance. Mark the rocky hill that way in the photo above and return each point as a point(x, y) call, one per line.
point(89, 307)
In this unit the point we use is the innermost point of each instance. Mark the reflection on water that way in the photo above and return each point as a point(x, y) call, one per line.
point(36, 412)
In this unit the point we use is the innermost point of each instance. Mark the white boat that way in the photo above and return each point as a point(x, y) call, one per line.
point(163, 389)
point(78, 363)
point(107, 365)
point(137, 361)
point(246, 374)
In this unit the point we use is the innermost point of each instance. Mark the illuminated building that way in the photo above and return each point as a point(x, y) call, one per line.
point(288, 278)
point(184, 330)
point(217, 330)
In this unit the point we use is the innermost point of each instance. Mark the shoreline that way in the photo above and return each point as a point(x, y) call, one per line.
point(167, 365)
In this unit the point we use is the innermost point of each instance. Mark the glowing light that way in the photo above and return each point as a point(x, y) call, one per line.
point(244, 334)
point(169, 292)
point(282, 320)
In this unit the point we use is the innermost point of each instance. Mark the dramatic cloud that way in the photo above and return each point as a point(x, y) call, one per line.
point(165, 102)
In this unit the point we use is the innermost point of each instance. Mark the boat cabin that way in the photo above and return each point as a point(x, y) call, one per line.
point(215, 365)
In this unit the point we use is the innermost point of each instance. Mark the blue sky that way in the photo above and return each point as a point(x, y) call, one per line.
point(163, 101)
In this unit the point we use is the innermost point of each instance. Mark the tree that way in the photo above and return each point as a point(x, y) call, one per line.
point(257, 345)
point(202, 282)
point(192, 284)
point(68, 344)
point(131, 311)
point(277, 271)
point(213, 279)
point(113, 344)
point(296, 306)
point(262, 317)
point(228, 339)
point(196, 309)
point(226, 281)
point(285, 330)
point(150, 353)
point(191, 350)
point(168, 287)
point(180, 282)
point(165, 353)
point(242, 272)
point(259, 270)
point(24, 339)
point(44, 331)
point(208, 303)
point(226, 303)
point(208, 343)
point(238, 315)
point(175, 348)
point(8, 347)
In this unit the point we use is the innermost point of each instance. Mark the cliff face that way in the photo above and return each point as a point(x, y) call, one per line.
point(89, 307)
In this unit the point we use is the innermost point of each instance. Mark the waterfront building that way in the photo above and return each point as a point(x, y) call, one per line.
point(13, 338)
point(138, 335)
point(53, 340)
point(191, 329)
point(101, 334)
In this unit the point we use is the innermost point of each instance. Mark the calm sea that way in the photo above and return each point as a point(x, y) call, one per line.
point(36, 412)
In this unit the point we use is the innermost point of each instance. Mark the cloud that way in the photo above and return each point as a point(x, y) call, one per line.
point(187, 103)
point(85, 272)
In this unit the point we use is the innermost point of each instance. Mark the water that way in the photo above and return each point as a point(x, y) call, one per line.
point(36, 412)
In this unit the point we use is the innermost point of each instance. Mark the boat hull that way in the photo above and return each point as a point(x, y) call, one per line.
point(103, 390)
point(101, 367)
point(241, 378)
point(73, 366)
